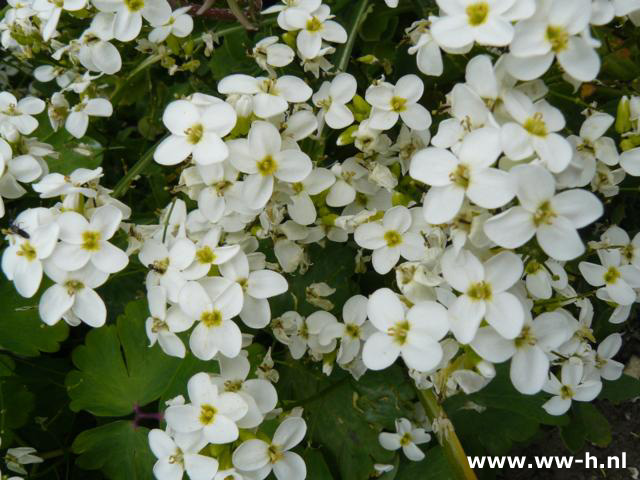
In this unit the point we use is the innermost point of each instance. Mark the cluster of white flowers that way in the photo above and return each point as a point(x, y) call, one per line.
point(479, 223)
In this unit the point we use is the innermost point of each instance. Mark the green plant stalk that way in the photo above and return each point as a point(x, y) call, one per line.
point(447, 436)
point(123, 185)
point(360, 12)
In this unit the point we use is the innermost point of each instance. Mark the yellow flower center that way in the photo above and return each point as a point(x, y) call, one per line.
point(480, 291)
point(232, 385)
point(544, 214)
point(274, 453)
point(207, 414)
point(477, 13)
point(399, 332)
point(267, 166)
point(558, 37)
point(298, 187)
point(91, 241)
point(73, 286)
point(134, 5)
point(566, 392)
point(526, 337)
point(194, 133)
point(532, 267)
point(353, 330)
point(405, 439)
point(314, 25)
point(392, 238)
point(211, 319)
point(535, 125)
point(205, 255)
point(460, 176)
point(158, 325)
point(612, 275)
point(398, 104)
point(27, 251)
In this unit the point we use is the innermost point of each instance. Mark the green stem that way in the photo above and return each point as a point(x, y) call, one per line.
point(447, 436)
point(141, 67)
point(239, 14)
point(360, 13)
point(123, 185)
point(51, 454)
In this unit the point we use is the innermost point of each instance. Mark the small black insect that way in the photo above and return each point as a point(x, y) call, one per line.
point(14, 229)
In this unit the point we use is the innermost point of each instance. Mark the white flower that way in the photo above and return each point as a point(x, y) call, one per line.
point(180, 454)
point(332, 98)
point(557, 30)
point(617, 280)
point(529, 351)
point(166, 265)
point(540, 279)
point(400, 101)
point(469, 173)
point(390, 239)
point(630, 161)
point(261, 457)
point(85, 241)
point(571, 386)
point(608, 368)
point(129, 13)
point(353, 330)
point(553, 219)
point(257, 286)
point(270, 96)
point(413, 333)
point(484, 295)
point(483, 22)
point(259, 395)
point(180, 24)
point(163, 324)
point(314, 27)
point(16, 457)
point(213, 301)
point(262, 157)
point(210, 412)
point(534, 131)
point(269, 53)
point(51, 11)
point(308, 5)
point(73, 297)
point(406, 437)
point(16, 117)
point(97, 53)
point(429, 57)
point(78, 182)
point(195, 131)
point(208, 253)
point(78, 120)
point(301, 208)
point(350, 178)
point(22, 260)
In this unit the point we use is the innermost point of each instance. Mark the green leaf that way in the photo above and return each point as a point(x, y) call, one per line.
point(491, 420)
point(621, 390)
point(21, 330)
point(119, 449)
point(336, 412)
point(317, 468)
point(333, 265)
point(433, 467)
point(501, 394)
point(117, 370)
point(73, 153)
point(16, 402)
point(587, 424)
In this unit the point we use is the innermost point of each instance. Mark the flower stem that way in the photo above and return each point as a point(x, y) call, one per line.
point(123, 185)
point(360, 12)
point(447, 436)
